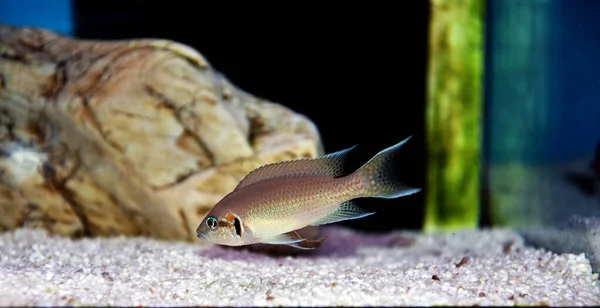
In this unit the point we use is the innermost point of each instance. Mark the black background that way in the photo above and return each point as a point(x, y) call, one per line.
point(357, 71)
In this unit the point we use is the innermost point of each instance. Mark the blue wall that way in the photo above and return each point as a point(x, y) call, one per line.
point(542, 80)
point(576, 104)
point(55, 15)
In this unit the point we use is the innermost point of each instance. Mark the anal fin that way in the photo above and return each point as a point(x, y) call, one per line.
point(346, 211)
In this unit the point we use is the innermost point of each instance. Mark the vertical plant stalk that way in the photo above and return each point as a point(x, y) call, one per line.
point(454, 114)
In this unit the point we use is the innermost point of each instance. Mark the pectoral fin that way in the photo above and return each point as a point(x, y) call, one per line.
point(284, 239)
point(300, 247)
point(346, 211)
point(292, 239)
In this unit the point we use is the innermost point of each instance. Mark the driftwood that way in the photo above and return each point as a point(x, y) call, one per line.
point(137, 137)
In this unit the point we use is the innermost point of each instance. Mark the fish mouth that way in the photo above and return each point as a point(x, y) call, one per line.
point(201, 234)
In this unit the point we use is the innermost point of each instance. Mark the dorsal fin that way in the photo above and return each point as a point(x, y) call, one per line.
point(327, 165)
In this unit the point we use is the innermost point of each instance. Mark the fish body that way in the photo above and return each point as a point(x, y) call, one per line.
point(282, 205)
point(273, 201)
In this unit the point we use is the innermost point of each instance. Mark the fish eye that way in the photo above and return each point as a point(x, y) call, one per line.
point(211, 222)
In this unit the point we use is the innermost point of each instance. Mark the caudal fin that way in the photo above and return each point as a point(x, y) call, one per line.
point(380, 176)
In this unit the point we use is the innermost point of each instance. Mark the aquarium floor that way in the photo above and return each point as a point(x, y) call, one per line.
point(488, 267)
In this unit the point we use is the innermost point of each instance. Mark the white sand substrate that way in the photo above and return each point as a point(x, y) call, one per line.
point(351, 269)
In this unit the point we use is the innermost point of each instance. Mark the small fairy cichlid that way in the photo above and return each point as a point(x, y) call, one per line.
point(274, 200)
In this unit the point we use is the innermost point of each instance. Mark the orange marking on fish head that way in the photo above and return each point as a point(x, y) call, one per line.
point(230, 217)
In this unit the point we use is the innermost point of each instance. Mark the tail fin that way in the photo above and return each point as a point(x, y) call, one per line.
point(380, 177)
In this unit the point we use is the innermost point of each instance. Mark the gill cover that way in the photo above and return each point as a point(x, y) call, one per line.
point(232, 221)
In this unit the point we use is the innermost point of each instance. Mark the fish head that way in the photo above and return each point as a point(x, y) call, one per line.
point(223, 229)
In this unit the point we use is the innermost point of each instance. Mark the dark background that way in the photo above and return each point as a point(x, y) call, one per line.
point(358, 72)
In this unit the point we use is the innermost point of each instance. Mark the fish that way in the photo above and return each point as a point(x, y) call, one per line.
point(273, 201)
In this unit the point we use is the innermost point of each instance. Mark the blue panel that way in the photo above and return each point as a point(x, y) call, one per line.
point(517, 79)
point(54, 15)
point(542, 120)
point(542, 80)
point(576, 128)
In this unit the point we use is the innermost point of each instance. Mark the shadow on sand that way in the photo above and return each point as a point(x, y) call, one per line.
point(342, 242)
